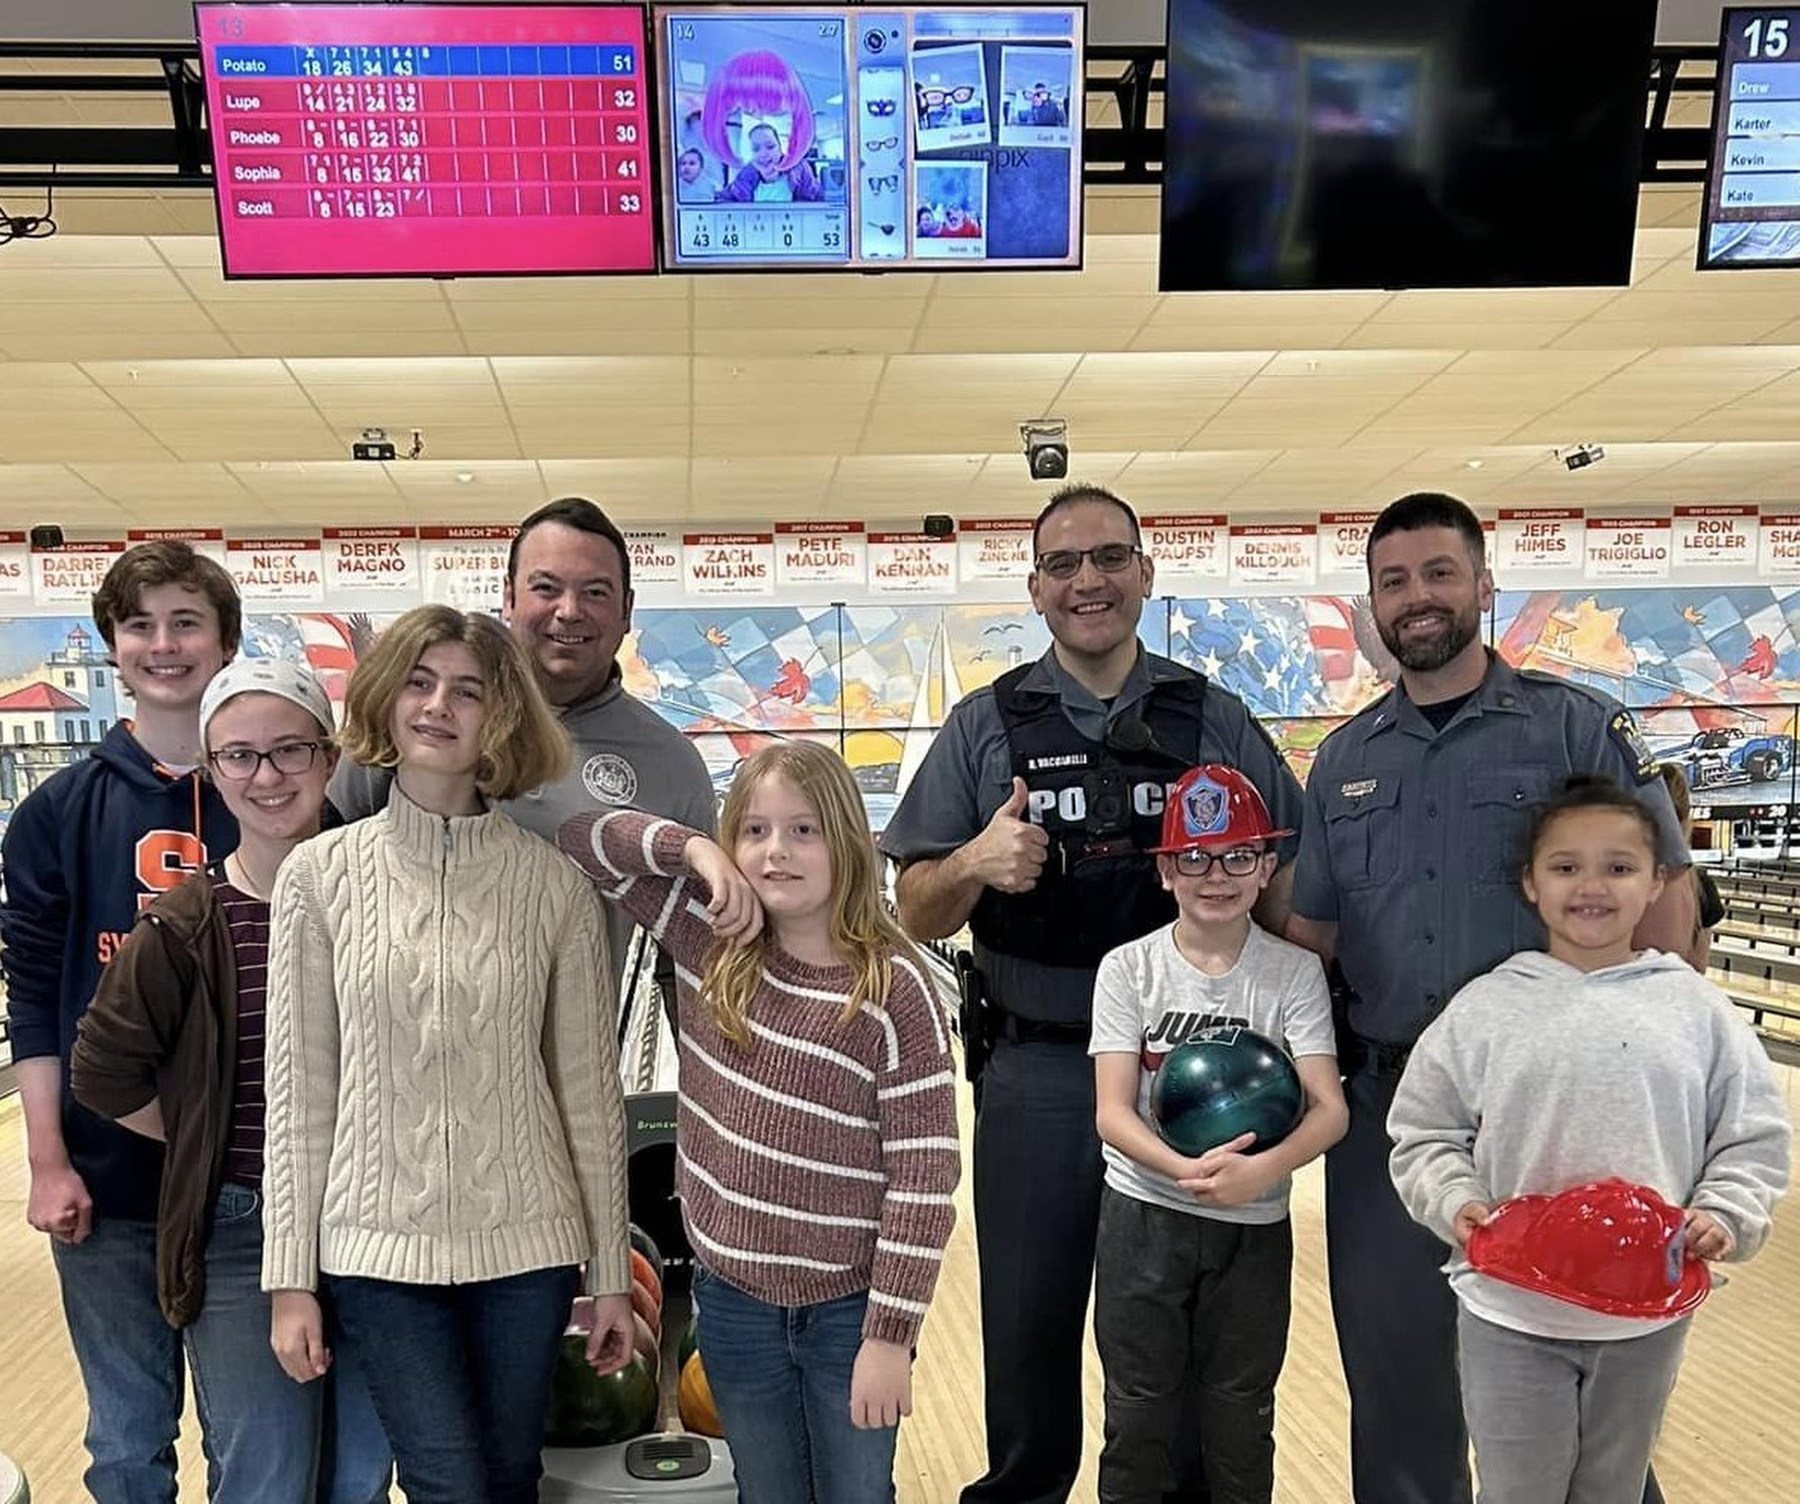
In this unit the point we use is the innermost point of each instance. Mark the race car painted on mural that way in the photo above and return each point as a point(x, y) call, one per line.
point(1726, 755)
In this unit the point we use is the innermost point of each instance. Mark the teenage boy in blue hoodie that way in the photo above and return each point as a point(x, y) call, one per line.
point(83, 855)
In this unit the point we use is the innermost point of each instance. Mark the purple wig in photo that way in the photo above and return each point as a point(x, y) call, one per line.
point(754, 86)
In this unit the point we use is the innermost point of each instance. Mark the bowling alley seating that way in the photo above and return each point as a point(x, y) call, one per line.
point(1756, 949)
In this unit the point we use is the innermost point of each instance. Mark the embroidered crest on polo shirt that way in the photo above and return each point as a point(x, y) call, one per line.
point(609, 778)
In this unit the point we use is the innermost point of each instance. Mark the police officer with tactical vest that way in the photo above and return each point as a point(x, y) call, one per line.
point(1029, 821)
point(1416, 814)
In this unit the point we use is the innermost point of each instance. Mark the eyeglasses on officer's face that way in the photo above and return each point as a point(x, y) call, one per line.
point(239, 764)
point(1065, 563)
point(1240, 861)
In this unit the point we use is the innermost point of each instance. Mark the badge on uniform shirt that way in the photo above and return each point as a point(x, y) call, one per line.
point(1357, 788)
point(1623, 728)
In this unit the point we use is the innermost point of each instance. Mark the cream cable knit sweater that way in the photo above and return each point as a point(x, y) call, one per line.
point(443, 1089)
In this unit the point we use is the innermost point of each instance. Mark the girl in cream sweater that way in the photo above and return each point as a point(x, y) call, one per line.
point(445, 1135)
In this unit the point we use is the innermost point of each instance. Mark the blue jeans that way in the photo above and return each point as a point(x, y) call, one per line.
point(130, 1361)
point(460, 1375)
point(268, 1439)
point(780, 1376)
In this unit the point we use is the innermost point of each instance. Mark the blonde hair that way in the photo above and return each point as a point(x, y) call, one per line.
point(862, 931)
point(522, 743)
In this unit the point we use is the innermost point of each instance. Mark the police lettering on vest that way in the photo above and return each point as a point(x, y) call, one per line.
point(1101, 804)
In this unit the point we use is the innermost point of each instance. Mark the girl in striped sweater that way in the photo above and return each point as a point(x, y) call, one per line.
point(817, 1125)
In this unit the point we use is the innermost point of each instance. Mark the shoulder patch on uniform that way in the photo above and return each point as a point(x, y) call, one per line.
point(1623, 728)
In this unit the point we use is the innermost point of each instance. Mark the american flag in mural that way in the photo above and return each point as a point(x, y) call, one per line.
point(1281, 655)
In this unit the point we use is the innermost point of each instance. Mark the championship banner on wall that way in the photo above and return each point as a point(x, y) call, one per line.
point(1627, 548)
point(359, 559)
point(809, 553)
point(655, 555)
point(274, 570)
point(716, 564)
point(1779, 554)
point(15, 570)
point(1274, 553)
point(993, 548)
point(1187, 548)
point(206, 541)
point(70, 573)
point(912, 564)
point(1715, 537)
point(1538, 540)
point(464, 566)
point(1344, 549)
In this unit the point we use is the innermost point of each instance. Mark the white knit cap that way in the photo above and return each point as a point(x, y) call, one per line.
point(266, 676)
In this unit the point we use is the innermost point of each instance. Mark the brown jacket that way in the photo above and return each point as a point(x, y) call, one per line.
point(163, 1028)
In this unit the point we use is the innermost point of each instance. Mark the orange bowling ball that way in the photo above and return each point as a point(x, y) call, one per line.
point(698, 1412)
point(643, 1272)
point(647, 1307)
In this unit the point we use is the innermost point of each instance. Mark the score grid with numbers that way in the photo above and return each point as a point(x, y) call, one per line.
point(357, 141)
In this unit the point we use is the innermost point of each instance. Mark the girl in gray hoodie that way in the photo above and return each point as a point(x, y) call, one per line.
point(1592, 1062)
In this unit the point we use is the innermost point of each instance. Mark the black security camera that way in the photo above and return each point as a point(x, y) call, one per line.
point(47, 535)
point(1581, 456)
point(939, 525)
point(1046, 447)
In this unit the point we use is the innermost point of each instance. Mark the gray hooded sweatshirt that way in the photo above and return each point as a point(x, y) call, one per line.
point(1539, 1077)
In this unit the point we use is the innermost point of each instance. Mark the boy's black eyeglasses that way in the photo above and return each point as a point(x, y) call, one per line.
point(1240, 861)
point(240, 764)
point(1065, 563)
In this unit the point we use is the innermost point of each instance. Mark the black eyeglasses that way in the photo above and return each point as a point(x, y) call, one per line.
point(885, 182)
point(1109, 558)
point(240, 764)
point(881, 106)
point(961, 94)
point(1240, 861)
point(886, 143)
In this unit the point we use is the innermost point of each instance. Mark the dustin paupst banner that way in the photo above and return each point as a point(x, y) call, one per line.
point(1779, 555)
point(1274, 553)
point(70, 573)
point(1538, 541)
point(271, 570)
point(1715, 537)
point(207, 541)
point(1344, 548)
point(728, 563)
point(912, 564)
point(1188, 548)
point(465, 566)
point(372, 558)
point(993, 548)
point(655, 555)
point(15, 571)
point(1627, 548)
point(821, 554)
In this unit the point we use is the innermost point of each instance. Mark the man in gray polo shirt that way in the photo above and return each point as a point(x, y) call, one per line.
point(568, 602)
point(1029, 820)
point(1416, 814)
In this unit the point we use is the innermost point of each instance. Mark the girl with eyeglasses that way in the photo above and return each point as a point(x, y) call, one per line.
point(1207, 1237)
point(172, 1047)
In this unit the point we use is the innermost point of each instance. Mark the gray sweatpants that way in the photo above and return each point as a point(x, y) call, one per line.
point(1557, 1422)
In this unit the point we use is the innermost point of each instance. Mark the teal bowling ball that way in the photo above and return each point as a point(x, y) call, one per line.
point(1221, 1083)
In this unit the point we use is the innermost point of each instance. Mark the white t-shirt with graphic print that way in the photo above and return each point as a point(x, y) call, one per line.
point(1148, 998)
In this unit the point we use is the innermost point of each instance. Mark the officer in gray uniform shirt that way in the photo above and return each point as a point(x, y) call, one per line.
point(568, 602)
point(1416, 813)
point(1029, 820)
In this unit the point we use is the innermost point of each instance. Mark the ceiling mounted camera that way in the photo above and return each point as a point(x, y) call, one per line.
point(1046, 447)
point(1580, 456)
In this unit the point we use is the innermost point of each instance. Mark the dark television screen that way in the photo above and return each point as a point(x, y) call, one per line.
point(1402, 143)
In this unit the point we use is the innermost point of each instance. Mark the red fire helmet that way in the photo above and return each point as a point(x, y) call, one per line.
point(1214, 808)
point(1607, 1246)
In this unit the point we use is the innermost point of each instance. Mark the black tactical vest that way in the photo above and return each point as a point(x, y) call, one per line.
point(1102, 804)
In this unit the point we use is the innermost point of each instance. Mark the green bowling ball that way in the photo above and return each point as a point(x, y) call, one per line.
point(587, 1410)
point(1223, 1082)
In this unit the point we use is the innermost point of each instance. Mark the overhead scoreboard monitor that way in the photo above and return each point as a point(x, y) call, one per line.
point(429, 140)
point(870, 137)
point(1750, 214)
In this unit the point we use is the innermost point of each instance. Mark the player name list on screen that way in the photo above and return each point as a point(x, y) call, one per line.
point(1752, 203)
point(429, 140)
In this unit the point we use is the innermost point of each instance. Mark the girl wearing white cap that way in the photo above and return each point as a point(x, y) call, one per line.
point(172, 1047)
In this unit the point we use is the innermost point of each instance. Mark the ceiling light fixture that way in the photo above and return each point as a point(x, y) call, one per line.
point(463, 477)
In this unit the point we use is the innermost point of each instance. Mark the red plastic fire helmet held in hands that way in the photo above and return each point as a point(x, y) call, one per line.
point(1214, 808)
point(1608, 1246)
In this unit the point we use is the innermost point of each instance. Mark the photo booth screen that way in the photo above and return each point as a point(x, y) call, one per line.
point(1751, 209)
point(870, 138)
point(429, 140)
point(1320, 144)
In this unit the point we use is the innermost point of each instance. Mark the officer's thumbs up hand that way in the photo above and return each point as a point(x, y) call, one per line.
point(1009, 854)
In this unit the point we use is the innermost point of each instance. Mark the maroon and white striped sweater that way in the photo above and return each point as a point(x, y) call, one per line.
point(820, 1161)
